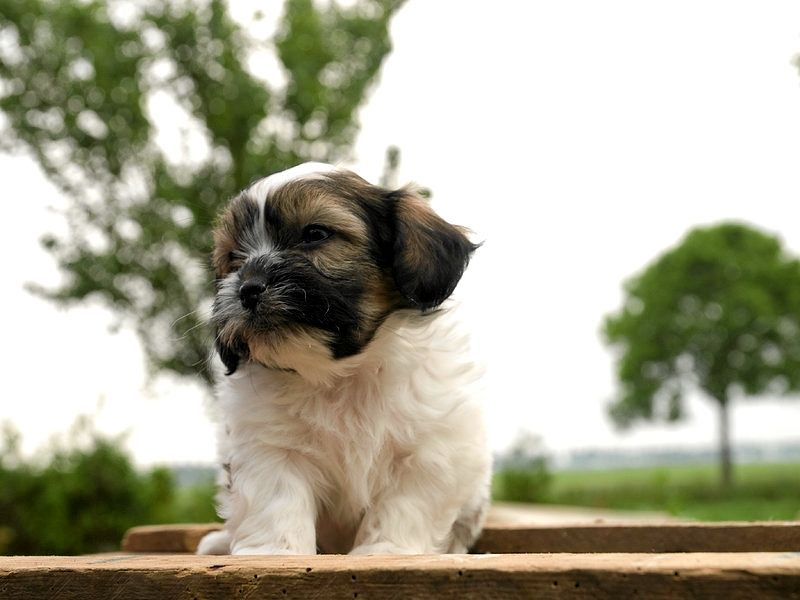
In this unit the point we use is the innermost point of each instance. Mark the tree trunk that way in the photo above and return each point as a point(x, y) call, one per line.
point(725, 463)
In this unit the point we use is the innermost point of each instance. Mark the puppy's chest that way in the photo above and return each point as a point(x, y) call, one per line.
point(352, 448)
point(351, 440)
point(355, 440)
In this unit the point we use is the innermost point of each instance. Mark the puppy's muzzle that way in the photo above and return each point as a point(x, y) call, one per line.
point(251, 291)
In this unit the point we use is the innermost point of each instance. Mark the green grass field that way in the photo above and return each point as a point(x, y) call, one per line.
point(761, 491)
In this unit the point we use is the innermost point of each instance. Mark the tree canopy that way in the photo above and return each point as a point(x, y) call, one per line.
point(87, 87)
point(718, 314)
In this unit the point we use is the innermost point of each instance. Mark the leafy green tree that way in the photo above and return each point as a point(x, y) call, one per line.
point(718, 314)
point(79, 80)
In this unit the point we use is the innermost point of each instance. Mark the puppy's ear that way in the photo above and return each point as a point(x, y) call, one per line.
point(232, 353)
point(429, 254)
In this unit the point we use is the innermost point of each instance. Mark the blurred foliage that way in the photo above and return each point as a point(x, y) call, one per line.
point(718, 313)
point(85, 495)
point(762, 492)
point(390, 177)
point(87, 85)
point(522, 474)
point(391, 168)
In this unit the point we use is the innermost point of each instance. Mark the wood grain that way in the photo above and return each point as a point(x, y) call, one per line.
point(600, 537)
point(729, 576)
point(643, 537)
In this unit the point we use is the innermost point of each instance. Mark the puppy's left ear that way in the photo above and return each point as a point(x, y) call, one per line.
point(429, 254)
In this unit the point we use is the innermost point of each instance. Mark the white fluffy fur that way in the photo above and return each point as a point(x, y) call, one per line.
point(382, 452)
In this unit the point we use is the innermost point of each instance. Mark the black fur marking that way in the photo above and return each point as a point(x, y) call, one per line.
point(446, 250)
point(378, 215)
point(245, 214)
point(308, 297)
point(278, 231)
point(430, 284)
point(231, 355)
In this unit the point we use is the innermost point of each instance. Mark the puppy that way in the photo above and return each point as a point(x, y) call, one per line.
point(350, 420)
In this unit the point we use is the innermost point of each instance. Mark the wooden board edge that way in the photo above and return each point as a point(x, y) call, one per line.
point(659, 538)
point(166, 538)
point(748, 575)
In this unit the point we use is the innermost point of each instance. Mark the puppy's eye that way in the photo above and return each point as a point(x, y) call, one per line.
point(314, 234)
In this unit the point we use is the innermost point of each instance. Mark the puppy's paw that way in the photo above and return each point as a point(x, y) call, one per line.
point(216, 542)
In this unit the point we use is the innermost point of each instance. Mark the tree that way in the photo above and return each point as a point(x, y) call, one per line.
point(79, 81)
point(718, 314)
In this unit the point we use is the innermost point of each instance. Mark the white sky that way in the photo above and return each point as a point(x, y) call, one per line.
point(579, 139)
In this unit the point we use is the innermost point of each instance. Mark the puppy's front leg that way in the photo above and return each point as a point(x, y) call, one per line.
point(414, 517)
point(273, 507)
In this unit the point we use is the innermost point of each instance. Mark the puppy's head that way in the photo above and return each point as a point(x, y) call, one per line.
point(310, 261)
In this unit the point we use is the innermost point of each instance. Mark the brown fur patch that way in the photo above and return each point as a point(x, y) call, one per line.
point(307, 202)
point(421, 222)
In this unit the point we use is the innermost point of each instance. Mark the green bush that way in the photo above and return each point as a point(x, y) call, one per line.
point(522, 473)
point(522, 485)
point(194, 504)
point(83, 497)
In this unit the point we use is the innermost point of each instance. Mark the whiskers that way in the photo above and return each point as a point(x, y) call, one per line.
point(199, 315)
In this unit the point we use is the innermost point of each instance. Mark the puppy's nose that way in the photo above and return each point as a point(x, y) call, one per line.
point(250, 292)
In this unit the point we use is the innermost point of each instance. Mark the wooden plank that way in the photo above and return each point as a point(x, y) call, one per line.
point(463, 577)
point(520, 513)
point(166, 538)
point(643, 537)
point(599, 537)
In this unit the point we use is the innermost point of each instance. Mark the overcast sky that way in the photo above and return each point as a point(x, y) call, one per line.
point(578, 139)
